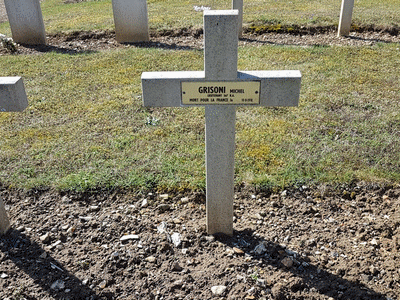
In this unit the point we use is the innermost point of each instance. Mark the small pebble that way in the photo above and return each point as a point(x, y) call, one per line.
point(129, 237)
point(103, 284)
point(287, 262)
point(237, 250)
point(176, 267)
point(218, 290)
point(150, 259)
point(58, 285)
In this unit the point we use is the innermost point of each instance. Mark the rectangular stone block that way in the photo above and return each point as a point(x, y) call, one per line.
point(131, 20)
point(346, 14)
point(12, 94)
point(26, 21)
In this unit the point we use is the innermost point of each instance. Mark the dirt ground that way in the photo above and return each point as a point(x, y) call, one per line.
point(302, 243)
point(192, 38)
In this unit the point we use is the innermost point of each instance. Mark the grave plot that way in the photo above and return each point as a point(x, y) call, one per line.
point(220, 88)
point(288, 245)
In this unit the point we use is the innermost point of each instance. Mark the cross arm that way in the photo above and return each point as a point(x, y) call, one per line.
point(277, 88)
point(164, 88)
point(12, 94)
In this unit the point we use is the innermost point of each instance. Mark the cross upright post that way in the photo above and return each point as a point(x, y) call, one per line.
point(220, 63)
point(220, 88)
point(12, 98)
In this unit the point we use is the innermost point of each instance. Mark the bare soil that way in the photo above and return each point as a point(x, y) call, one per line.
point(303, 243)
point(192, 38)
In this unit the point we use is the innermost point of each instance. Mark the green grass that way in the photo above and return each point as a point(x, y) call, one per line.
point(163, 14)
point(86, 127)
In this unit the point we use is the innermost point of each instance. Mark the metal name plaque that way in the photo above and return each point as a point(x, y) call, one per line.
point(221, 92)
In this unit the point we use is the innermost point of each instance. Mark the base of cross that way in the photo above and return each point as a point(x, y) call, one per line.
point(4, 222)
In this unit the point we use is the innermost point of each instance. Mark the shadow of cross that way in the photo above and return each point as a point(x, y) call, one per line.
point(12, 98)
point(220, 88)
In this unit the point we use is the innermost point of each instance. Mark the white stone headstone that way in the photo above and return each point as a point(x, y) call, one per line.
point(26, 21)
point(12, 98)
point(131, 20)
point(220, 88)
point(346, 13)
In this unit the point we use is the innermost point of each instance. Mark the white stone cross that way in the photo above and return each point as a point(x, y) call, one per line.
point(12, 98)
point(26, 21)
point(346, 13)
point(220, 88)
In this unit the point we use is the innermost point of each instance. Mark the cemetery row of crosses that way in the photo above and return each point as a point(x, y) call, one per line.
point(130, 19)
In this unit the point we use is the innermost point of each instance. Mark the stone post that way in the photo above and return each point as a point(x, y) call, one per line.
point(131, 20)
point(26, 21)
point(220, 63)
point(238, 4)
point(346, 13)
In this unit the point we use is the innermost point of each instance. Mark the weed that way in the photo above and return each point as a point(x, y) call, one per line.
point(8, 44)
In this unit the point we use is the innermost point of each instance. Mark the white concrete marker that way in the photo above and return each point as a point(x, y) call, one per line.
point(346, 13)
point(238, 4)
point(12, 98)
point(220, 88)
point(12, 94)
point(26, 21)
point(131, 20)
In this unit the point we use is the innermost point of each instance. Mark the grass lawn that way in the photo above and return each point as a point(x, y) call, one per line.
point(167, 14)
point(86, 127)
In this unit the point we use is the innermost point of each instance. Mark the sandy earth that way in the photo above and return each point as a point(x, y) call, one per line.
point(302, 243)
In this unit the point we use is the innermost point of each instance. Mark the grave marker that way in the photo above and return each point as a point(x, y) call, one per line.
point(131, 20)
point(12, 98)
point(346, 13)
point(220, 88)
point(26, 21)
point(238, 4)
